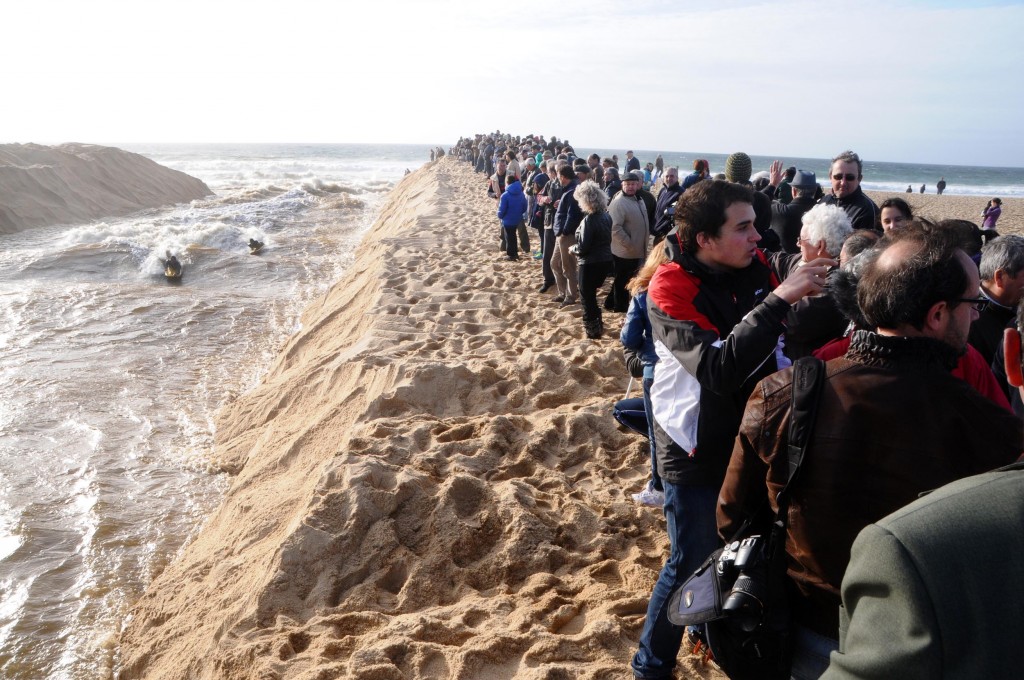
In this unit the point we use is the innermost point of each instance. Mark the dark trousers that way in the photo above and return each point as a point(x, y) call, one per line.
point(524, 238)
point(548, 245)
point(591, 277)
point(618, 298)
point(509, 237)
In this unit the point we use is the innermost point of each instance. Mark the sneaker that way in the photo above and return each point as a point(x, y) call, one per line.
point(558, 298)
point(566, 302)
point(538, 256)
point(650, 496)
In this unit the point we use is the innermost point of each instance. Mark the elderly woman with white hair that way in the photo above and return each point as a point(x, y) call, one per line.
point(593, 252)
point(824, 229)
point(814, 320)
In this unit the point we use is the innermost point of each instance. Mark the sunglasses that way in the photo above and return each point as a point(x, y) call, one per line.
point(978, 303)
point(848, 177)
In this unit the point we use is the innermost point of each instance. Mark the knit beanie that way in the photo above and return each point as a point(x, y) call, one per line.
point(738, 167)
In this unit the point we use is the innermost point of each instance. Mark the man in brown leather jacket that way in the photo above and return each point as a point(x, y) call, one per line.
point(892, 423)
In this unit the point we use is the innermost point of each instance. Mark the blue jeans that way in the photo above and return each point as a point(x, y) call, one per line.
point(693, 531)
point(811, 654)
point(649, 409)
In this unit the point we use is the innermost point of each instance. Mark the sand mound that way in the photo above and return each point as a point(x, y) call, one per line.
point(428, 484)
point(74, 183)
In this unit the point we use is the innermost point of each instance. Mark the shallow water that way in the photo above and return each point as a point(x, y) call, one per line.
point(112, 376)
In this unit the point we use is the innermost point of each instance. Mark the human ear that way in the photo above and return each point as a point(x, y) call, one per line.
point(937, 317)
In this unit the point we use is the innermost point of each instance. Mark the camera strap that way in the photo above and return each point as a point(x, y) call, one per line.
point(808, 381)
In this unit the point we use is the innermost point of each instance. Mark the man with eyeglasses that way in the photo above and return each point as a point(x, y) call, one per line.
point(1002, 283)
point(846, 175)
point(892, 422)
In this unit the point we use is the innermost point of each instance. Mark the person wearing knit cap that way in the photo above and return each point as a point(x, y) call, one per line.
point(738, 168)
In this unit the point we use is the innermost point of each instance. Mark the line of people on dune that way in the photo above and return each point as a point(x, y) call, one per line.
point(723, 287)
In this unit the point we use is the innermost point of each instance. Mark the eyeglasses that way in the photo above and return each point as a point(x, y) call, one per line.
point(979, 303)
point(849, 177)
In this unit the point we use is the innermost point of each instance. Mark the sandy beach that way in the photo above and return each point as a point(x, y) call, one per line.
point(74, 183)
point(429, 482)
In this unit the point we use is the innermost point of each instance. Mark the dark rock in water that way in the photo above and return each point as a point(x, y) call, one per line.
point(76, 183)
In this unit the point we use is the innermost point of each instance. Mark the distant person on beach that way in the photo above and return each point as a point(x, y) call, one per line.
point(665, 208)
point(612, 183)
point(894, 213)
point(630, 230)
point(495, 189)
point(787, 217)
point(941, 186)
point(536, 180)
point(910, 189)
point(918, 605)
point(648, 181)
point(716, 317)
point(513, 164)
point(846, 175)
point(922, 188)
point(511, 208)
point(991, 214)
point(1002, 283)
point(701, 170)
point(868, 452)
point(567, 219)
point(593, 250)
point(596, 171)
point(632, 162)
point(548, 200)
point(641, 357)
point(659, 168)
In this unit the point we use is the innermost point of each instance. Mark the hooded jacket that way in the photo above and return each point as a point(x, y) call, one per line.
point(716, 335)
point(512, 205)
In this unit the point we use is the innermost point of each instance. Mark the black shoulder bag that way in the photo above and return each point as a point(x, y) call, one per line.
point(740, 593)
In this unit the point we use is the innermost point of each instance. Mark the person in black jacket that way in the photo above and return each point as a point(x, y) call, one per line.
point(846, 175)
point(786, 218)
point(593, 252)
point(665, 207)
point(567, 217)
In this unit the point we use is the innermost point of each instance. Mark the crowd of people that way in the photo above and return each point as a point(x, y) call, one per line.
point(723, 285)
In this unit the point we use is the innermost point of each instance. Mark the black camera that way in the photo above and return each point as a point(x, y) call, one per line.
point(745, 559)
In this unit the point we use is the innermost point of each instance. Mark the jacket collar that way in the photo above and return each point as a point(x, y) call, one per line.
point(885, 351)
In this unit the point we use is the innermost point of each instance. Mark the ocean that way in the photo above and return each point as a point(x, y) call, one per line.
point(112, 375)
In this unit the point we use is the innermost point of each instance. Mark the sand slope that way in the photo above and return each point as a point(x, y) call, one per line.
point(428, 484)
point(74, 183)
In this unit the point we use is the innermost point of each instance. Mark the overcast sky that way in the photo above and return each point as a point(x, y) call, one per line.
point(933, 82)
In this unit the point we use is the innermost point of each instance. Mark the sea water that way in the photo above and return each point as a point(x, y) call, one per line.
point(112, 375)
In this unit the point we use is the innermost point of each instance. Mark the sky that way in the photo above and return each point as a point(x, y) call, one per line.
point(920, 82)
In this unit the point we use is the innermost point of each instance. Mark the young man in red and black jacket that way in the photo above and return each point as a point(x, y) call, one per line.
point(717, 313)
